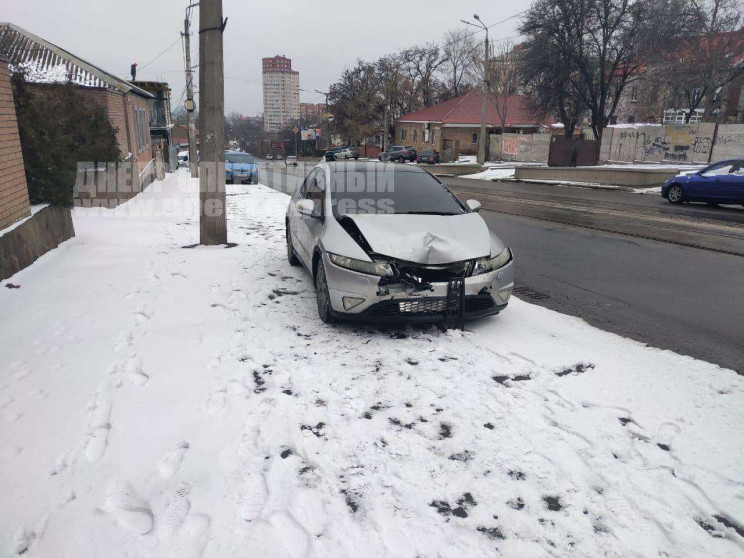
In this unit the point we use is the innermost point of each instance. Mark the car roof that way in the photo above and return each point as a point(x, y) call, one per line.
point(362, 166)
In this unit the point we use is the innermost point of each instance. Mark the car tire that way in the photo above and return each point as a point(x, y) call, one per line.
point(401, 159)
point(322, 296)
point(675, 194)
point(293, 260)
point(229, 181)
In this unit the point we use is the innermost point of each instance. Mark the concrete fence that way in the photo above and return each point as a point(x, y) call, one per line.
point(673, 143)
point(519, 147)
point(701, 143)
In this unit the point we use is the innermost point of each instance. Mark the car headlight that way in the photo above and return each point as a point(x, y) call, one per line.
point(484, 265)
point(370, 268)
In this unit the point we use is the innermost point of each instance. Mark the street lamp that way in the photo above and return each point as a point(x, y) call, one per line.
point(483, 132)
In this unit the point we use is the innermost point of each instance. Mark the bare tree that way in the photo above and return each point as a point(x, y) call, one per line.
point(503, 77)
point(420, 65)
point(605, 44)
point(545, 73)
point(457, 54)
point(698, 67)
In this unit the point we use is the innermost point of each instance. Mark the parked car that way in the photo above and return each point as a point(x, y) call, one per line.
point(291, 160)
point(721, 182)
point(269, 157)
point(183, 158)
point(399, 153)
point(347, 153)
point(240, 167)
point(430, 156)
point(402, 247)
point(330, 155)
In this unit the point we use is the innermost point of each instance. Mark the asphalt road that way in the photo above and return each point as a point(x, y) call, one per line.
point(632, 264)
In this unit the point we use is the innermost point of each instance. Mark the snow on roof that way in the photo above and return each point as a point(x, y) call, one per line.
point(47, 63)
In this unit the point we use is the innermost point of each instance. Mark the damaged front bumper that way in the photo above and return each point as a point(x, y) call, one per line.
point(362, 297)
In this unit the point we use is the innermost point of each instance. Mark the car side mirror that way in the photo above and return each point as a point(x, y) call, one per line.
point(305, 207)
point(474, 205)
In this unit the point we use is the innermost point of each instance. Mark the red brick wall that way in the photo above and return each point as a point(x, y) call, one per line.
point(121, 113)
point(14, 204)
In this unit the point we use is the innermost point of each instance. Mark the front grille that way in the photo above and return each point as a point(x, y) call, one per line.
point(417, 273)
point(424, 306)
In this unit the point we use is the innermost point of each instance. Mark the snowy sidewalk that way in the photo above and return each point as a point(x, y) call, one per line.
point(157, 400)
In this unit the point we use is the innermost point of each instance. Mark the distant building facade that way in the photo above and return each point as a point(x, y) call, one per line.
point(311, 113)
point(281, 93)
point(281, 88)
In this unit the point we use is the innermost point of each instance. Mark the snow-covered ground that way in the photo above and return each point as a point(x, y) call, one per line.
point(492, 173)
point(160, 400)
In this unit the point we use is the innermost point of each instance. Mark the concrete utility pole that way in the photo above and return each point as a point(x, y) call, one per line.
point(328, 122)
point(190, 106)
point(482, 138)
point(213, 207)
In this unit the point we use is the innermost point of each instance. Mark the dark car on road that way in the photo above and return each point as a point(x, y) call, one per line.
point(399, 153)
point(721, 182)
point(430, 156)
point(330, 155)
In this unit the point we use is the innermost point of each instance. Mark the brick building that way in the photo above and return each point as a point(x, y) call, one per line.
point(125, 103)
point(14, 204)
point(456, 123)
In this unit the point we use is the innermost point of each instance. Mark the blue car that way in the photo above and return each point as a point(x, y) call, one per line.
point(240, 167)
point(721, 182)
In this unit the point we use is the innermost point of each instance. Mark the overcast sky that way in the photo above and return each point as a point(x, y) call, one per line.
point(321, 38)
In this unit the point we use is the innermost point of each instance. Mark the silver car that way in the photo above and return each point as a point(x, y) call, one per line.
point(388, 243)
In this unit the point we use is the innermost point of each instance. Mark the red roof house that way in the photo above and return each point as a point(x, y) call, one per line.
point(457, 121)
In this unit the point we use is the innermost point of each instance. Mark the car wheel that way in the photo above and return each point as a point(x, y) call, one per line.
point(322, 296)
point(356, 158)
point(229, 181)
point(401, 159)
point(290, 251)
point(675, 194)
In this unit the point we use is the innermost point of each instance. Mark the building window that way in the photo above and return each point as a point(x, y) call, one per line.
point(415, 136)
point(631, 119)
point(634, 93)
point(402, 134)
point(433, 136)
point(474, 139)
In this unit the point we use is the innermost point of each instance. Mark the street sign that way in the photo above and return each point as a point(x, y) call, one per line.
point(295, 129)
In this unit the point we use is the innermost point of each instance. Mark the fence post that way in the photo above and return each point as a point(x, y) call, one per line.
point(713, 142)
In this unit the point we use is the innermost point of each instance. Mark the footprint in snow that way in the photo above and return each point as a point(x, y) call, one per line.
point(130, 372)
point(175, 511)
point(665, 434)
point(170, 463)
point(97, 443)
point(128, 509)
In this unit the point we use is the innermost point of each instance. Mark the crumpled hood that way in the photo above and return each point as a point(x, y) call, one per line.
point(426, 239)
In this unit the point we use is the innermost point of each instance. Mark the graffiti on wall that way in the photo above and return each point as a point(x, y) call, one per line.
point(510, 146)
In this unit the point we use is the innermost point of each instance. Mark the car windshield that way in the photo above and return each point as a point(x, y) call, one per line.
point(396, 148)
point(381, 189)
point(426, 152)
point(243, 158)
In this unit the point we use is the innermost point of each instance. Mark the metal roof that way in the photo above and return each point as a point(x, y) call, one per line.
point(46, 59)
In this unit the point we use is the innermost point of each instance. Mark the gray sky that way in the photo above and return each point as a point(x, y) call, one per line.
point(321, 38)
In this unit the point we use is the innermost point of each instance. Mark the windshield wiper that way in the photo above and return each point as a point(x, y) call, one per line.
point(427, 213)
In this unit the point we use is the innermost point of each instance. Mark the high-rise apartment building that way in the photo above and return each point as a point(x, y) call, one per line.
point(281, 93)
